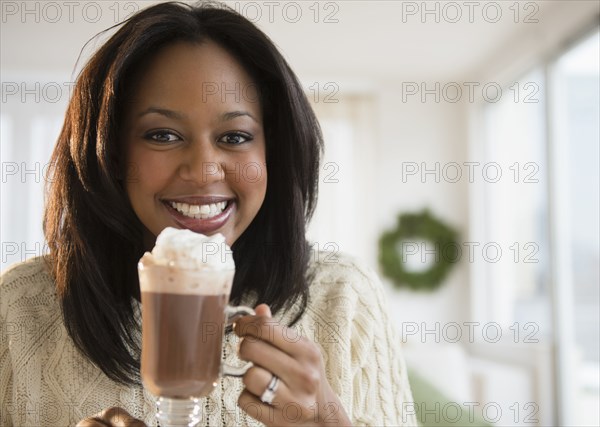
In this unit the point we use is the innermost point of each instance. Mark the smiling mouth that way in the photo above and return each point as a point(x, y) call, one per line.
point(205, 211)
point(205, 215)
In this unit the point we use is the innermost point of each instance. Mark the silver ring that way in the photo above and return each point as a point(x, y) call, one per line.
point(269, 393)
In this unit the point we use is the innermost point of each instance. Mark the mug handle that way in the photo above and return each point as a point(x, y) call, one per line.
point(234, 313)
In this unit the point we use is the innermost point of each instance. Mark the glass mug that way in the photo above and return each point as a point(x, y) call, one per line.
point(184, 315)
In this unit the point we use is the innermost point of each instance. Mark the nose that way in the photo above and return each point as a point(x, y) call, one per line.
point(202, 163)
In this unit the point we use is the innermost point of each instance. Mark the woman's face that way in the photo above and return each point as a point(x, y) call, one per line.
point(195, 146)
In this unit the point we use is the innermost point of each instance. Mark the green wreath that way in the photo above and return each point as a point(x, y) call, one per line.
point(424, 227)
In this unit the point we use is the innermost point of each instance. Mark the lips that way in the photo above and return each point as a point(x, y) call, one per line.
point(204, 215)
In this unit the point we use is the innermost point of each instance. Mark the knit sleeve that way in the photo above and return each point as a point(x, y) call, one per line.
point(382, 393)
point(5, 378)
point(6, 406)
point(361, 348)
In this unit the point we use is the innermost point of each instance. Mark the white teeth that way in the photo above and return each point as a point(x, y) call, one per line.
point(199, 211)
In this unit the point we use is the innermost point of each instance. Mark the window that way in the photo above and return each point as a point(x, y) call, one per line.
point(574, 83)
point(346, 177)
point(29, 129)
point(515, 182)
point(542, 136)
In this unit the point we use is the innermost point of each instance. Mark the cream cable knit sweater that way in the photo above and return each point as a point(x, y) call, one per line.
point(45, 381)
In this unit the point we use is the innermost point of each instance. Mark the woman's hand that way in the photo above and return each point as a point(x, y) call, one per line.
point(303, 395)
point(111, 417)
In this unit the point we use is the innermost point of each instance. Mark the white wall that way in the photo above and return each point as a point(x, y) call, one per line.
point(427, 133)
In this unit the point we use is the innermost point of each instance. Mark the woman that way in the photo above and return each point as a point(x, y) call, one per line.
point(184, 108)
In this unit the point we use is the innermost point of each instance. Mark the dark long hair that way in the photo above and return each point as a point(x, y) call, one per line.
point(94, 236)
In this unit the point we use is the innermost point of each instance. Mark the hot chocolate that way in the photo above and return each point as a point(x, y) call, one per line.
point(182, 343)
point(185, 284)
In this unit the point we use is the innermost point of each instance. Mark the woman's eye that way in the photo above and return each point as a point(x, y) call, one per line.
point(235, 138)
point(162, 136)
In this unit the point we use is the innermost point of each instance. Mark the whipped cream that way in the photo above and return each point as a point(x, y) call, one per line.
point(188, 250)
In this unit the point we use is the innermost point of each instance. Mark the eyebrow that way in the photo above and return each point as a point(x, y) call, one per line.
point(179, 116)
point(239, 113)
point(163, 111)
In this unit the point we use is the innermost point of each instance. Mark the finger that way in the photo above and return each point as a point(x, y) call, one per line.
point(92, 422)
point(258, 410)
point(268, 357)
point(263, 310)
point(118, 417)
point(269, 330)
point(258, 379)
